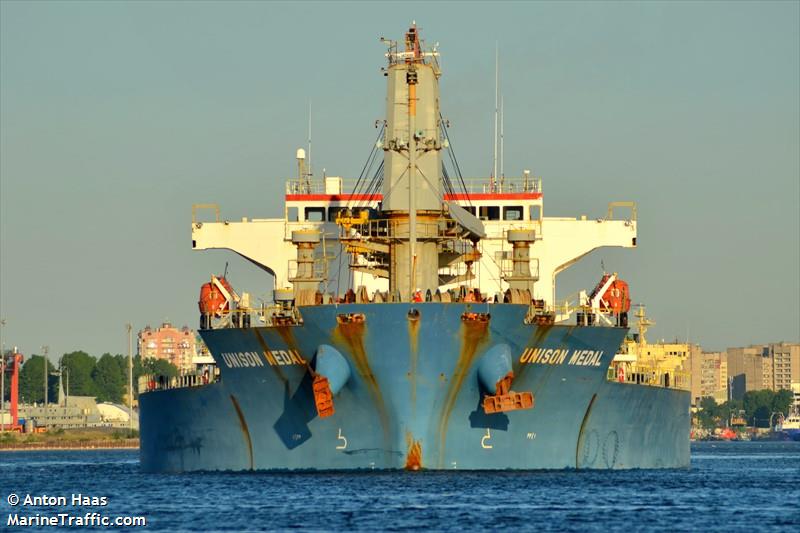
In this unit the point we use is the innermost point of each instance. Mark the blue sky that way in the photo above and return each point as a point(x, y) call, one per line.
point(116, 117)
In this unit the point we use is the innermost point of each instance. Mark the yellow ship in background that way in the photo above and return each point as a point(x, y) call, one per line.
point(660, 364)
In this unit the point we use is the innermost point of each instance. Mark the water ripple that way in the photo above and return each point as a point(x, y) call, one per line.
point(730, 487)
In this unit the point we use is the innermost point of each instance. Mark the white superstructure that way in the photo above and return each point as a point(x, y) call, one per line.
point(513, 204)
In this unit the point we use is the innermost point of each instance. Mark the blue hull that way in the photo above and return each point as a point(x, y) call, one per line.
point(792, 434)
point(412, 395)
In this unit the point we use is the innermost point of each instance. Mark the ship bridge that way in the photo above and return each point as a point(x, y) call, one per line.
point(505, 204)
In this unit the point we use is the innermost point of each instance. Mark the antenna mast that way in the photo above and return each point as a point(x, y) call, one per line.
point(496, 90)
point(310, 173)
point(502, 151)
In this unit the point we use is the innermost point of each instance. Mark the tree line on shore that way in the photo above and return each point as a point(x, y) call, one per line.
point(756, 408)
point(104, 378)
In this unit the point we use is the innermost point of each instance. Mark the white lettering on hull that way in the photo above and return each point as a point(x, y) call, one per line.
point(550, 356)
point(254, 359)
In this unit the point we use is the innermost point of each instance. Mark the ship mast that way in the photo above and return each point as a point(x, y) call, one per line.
point(412, 46)
point(416, 222)
point(412, 189)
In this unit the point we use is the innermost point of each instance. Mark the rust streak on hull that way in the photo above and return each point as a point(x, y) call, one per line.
point(473, 334)
point(583, 425)
point(413, 341)
point(414, 455)
point(265, 348)
point(245, 429)
point(543, 373)
point(287, 334)
point(351, 334)
point(539, 334)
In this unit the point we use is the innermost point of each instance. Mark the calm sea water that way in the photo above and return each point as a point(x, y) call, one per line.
point(730, 487)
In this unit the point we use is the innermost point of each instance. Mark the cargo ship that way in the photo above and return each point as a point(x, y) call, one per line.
point(663, 363)
point(413, 324)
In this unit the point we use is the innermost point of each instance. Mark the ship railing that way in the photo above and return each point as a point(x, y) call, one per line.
point(204, 207)
point(503, 185)
point(507, 267)
point(571, 306)
point(646, 374)
point(319, 268)
point(154, 382)
point(355, 229)
point(271, 315)
point(341, 186)
point(472, 185)
point(562, 312)
point(246, 317)
point(566, 308)
point(631, 206)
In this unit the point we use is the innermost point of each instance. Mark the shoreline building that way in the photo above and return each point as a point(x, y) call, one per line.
point(78, 412)
point(714, 381)
point(786, 365)
point(178, 346)
point(772, 366)
point(747, 367)
point(709, 374)
point(695, 369)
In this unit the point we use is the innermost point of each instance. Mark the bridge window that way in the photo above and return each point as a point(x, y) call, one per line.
point(489, 212)
point(291, 214)
point(512, 212)
point(333, 212)
point(536, 212)
point(470, 208)
point(315, 214)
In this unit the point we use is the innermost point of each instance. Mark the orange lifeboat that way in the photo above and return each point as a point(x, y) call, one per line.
point(616, 298)
point(212, 300)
